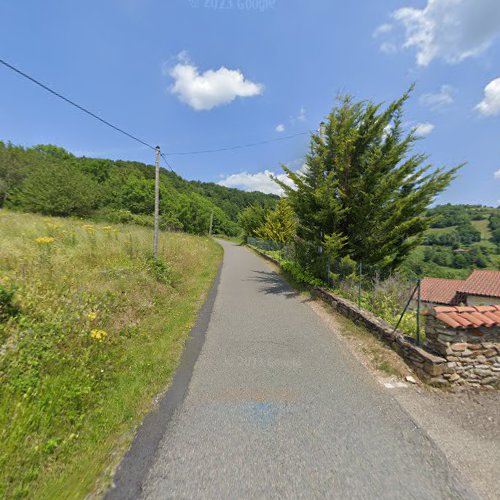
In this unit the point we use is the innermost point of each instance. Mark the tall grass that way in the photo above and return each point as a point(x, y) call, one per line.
point(91, 329)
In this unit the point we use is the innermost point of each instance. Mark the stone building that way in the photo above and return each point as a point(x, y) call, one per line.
point(469, 339)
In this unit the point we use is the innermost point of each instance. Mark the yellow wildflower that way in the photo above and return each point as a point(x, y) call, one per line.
point(99, 335)
point(108, 228)
point(44, 240)
point(92, 316)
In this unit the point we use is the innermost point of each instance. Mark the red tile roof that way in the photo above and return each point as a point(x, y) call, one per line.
point(484, 283)
point(441, 291)
point(465, 317)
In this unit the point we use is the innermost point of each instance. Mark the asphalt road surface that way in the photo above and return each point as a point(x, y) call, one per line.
point(278, 408)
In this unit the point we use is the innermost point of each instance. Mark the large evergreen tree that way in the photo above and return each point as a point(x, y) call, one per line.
point(363, 193)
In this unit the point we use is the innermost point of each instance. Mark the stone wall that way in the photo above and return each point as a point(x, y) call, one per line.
point(429, 367)
point(452, 357)
point(472, 354)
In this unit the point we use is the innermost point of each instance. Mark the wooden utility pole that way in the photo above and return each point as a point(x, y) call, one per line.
point(157, 203)
point(211, 223)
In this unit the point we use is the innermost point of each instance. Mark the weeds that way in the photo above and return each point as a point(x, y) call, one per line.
point(8, 309)
point(160, 270)
point(91, 331)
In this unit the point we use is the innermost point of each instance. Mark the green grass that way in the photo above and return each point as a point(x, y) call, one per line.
point(440, 230)
point(482, 227)
point(99, 331)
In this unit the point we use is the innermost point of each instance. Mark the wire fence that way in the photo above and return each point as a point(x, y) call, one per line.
point(393, 297)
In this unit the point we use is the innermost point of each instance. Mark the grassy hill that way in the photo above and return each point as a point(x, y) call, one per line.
point(91, 330)
point(461, 239)
point(49, 180)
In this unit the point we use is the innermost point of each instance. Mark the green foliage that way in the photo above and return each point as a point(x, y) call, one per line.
point(495, 235)
point(49, 180)
point(299, 274)
point(363, 184)
point(160, 270)
point(252, 219)
point(91, 336)
point(280, 225)
point(8, 309)
point(55, 188)
point(449, 215)
point(464, 234)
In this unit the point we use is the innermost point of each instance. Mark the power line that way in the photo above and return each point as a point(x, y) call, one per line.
point(133, 137)
point(241, 146)
point(81, 108)
point(166, 162)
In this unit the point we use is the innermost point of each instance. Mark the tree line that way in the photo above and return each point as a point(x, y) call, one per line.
point(49, 180)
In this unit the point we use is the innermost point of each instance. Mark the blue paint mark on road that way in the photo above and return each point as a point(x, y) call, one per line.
point(264, 414)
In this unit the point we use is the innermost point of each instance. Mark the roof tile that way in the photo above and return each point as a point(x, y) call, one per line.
point(482, 282)
point(441, 291)
point(465, 317)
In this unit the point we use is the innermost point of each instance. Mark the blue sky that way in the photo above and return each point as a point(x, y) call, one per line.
point(197, 74)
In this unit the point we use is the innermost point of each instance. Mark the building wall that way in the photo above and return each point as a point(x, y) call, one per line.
point(477, 300)
point(472, 354)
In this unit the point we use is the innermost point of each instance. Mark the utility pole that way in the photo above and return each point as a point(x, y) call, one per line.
point(157, 203)
point(211, 222)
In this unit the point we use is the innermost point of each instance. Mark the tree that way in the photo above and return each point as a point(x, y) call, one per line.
point(280, 225)
point(56, 188)
point(363, 192)
point(468, 234)
point(251, 219)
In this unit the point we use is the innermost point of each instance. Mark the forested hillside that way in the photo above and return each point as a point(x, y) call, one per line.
point(49, 180)
point(461, 238)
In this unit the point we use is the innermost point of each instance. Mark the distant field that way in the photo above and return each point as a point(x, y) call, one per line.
point(91, 330)
point(440, 230)
point(482, 226)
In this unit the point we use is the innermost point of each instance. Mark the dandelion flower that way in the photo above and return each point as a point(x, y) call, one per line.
point(92, 316)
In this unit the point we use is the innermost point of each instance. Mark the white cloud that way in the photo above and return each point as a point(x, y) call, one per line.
point(383, 29)
point(497, 174)
point(301, 117)
point(205, 91)
point(490, 105)
point(280, 128)
point(440, 99)
point(452, 30)
point(388, 48)
point(261, 181)
point(423, 129)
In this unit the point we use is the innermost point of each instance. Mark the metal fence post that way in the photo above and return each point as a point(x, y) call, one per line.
point(419, 282)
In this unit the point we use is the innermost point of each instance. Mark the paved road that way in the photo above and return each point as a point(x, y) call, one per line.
point(277, 408)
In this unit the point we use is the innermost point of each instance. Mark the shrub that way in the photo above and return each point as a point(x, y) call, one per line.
point(160, 270)
point(300, 274)
point(7, 307)
point(57, 189)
